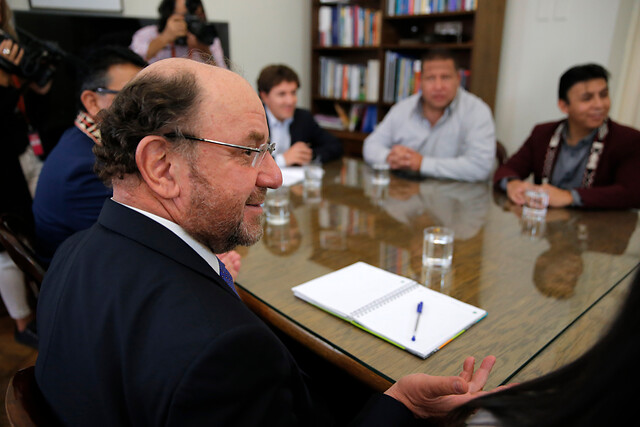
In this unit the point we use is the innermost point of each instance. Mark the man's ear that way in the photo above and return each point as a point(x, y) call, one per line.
point(263, 95)
point(563, 106)
point(89, 100)
point(158, 166)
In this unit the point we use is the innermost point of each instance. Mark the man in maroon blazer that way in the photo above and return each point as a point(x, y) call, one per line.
point(586, 160)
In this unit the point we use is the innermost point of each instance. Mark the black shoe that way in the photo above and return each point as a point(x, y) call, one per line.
point(28, 337)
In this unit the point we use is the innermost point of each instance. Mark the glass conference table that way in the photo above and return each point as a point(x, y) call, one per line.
point(550, 290)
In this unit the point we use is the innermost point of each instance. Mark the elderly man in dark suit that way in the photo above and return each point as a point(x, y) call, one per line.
point(140, 323)
point(299, 139)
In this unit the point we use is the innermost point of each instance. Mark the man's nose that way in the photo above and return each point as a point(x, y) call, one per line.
point(269, 174)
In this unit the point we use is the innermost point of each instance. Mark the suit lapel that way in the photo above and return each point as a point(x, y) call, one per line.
point(135, 226)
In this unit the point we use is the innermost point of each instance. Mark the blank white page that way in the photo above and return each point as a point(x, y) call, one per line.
point(348, 289)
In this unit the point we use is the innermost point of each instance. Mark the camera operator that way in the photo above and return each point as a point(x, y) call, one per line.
point(181, 32)
point(17, 133)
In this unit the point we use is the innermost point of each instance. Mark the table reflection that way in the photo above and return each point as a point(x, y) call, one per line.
point(570, 233)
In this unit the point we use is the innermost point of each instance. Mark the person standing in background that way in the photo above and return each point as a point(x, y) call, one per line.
point(16, 198)
point(171, 38)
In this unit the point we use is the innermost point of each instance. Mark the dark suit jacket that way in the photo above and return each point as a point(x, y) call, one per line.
point(616, 178)
point(304, 128)
point(137, 329)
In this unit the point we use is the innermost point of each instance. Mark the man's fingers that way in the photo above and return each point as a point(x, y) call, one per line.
point(467, 368)
point(443, 386)
point(481, 375)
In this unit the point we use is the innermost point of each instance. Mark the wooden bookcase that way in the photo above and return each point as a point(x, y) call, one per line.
point(478, 51)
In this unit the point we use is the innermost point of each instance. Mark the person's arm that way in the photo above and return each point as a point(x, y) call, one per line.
point(377, 145)
point(624, 193)
point(243, 377)
point(518, 167)
point(298, 154)
point(147, 42)
point(218, 53)
point(325, 145)
point(478, 150)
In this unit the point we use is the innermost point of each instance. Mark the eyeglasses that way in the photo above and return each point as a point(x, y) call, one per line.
point(105, 91)
point(256, 154)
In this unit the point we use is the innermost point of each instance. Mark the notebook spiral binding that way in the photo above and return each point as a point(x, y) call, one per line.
point(373, 305)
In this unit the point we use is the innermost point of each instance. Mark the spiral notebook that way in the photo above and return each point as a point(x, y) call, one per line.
point(385, 305)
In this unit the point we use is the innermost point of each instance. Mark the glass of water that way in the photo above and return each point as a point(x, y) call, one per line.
point(313, 174)
point(535, 204)
point(277, 205)
point(437, 248)
point(380, 174)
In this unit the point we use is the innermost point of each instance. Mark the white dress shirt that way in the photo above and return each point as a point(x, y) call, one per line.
point(279, 133)
point(200, 249)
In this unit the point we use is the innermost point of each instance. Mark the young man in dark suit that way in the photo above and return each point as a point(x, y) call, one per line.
point(299, 139)
point(140, 323)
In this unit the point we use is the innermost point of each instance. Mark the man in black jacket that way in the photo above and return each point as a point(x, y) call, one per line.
point(140, 323)
point(299, 139)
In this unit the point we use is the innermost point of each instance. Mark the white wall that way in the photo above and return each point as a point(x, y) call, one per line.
point(542, 39)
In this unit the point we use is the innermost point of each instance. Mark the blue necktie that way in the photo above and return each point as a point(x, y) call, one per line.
point(226, 276)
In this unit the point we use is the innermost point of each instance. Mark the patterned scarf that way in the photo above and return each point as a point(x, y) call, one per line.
point(594, 155)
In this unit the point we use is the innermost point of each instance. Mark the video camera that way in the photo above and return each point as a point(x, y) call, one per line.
point(39, 61)
point(204, 32)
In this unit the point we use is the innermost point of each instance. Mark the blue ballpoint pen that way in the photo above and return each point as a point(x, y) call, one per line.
point(413, 338)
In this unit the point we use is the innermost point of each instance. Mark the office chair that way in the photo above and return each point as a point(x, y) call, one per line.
point(24, 403)
point(20, 249)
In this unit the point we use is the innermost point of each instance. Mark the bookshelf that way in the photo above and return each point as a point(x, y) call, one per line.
point(350, 36)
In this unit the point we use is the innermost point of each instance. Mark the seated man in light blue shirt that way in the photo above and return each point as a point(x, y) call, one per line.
point(442, 132)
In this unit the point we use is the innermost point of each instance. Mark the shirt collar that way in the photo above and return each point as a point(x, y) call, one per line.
point(447, 110)
point(200, 249)
point(586, 141)
point(273, 121)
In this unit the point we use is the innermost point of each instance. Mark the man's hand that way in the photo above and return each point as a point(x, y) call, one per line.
point(298, 154)
point(432, 396)
point(558, 197)
point(402, 157)
point(516, 189)
point(232, 261)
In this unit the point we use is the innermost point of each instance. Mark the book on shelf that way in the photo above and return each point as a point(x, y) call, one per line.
point(370, 119)
point(342, 114)
point(396, 309)
point(328, 121)
point(353, 82)
point(402, 76)
point(424, 7)
point(348, 26)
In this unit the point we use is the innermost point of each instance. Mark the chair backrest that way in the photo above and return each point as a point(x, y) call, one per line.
point(501, 153)
point(24, 402)
point(20, 248)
